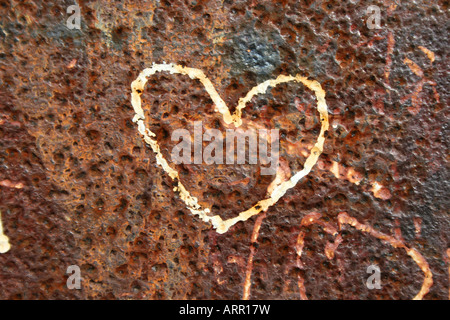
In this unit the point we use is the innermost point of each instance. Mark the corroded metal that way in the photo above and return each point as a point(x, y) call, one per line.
point(80, 187)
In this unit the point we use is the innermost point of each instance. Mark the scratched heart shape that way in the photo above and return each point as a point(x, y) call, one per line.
point(222, 226)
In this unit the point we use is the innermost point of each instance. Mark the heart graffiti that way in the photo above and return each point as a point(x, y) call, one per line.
point(277, 190)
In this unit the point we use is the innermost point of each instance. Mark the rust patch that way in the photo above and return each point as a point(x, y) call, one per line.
point(94, 196)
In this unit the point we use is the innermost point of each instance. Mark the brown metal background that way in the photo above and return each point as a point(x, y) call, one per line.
point(94, 196)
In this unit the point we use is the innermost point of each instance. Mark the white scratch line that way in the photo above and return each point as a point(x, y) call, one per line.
point(222, 226)
point(4, 240)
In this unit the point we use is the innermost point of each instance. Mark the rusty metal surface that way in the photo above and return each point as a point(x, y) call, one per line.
point(91, 193)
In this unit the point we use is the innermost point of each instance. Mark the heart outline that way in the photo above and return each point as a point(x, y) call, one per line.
point(222, 226)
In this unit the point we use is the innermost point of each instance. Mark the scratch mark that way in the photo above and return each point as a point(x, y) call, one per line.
point(417, 225)
point(353, 176)
point(380, 192)
point(414, 67)
point(248, 273)
point(4, 240)
point(330, 248)
point(344, 218)
point(397, 231)
point(309, 219)
point(448, 261)
point(390, 50)
point(414, 96)
point(9, 184)
point(350, 174)
point(72, 64)
point(428, 52)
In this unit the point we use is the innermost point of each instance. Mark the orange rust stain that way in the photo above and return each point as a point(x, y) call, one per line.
point(244, 181)
point(429, 53)
point(417, 225)
point(283, 174)
point(390, 50)
point(315, 218)
point(349, 174)
point(353, 176)
point(7, 119)
point(391, 8)
point(299, 249)
point(414, 96)
point(414, 67)
point(330, 247)
point(237, 260)
point(72, 64)
point(9, 184)
point(298, 148)
point(380, 192)
point(397, 231)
